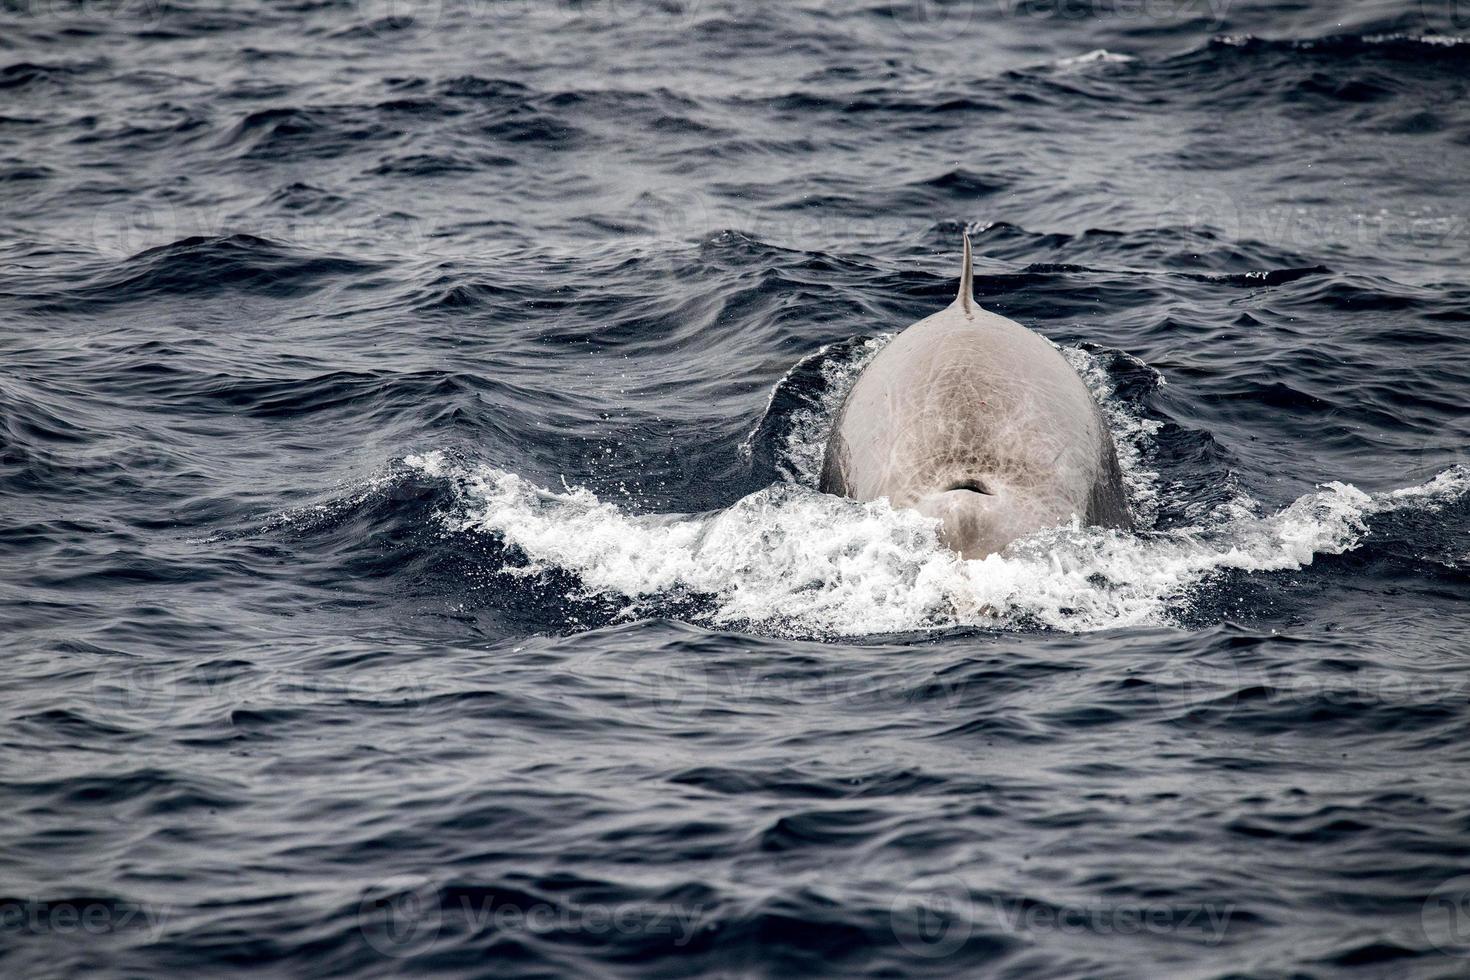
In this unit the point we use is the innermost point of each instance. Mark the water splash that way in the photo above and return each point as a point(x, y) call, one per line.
point(791, 561)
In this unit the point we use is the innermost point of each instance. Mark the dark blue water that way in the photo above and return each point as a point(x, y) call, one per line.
point(410, 556)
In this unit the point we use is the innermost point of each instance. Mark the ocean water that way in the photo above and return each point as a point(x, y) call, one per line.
point(410, 555)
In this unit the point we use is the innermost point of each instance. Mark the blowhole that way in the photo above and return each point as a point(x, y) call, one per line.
point(973, 486)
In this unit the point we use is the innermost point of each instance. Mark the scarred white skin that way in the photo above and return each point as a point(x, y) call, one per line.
point(970, 418)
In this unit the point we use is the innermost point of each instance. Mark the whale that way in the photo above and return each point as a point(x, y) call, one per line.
point(974, 420)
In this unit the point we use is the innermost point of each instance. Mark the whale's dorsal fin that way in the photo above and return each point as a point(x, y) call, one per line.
point(966, 298)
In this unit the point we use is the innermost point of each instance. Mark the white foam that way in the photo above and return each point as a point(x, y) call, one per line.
point(431, 464)
point(1433, 494)
point(1095, 57)
point(1132, 433)
point(792, 561)
point(806, 440)
point(1432, 40)
point(799, 458)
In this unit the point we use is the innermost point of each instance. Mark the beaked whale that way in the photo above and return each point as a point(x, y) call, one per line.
point(971, 418)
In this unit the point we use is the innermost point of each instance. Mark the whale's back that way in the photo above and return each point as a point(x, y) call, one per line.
point(970, 399)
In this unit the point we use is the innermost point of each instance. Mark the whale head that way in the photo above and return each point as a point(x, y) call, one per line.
point(977, 422)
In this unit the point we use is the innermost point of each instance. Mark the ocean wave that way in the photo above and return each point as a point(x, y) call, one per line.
point(792, 561)
point(1100, 56)
point(1398, 46)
